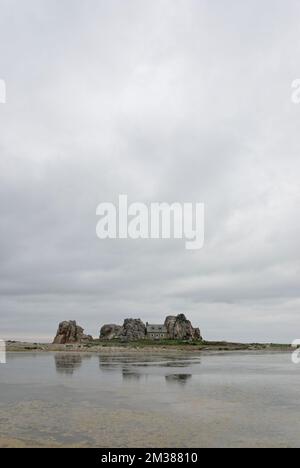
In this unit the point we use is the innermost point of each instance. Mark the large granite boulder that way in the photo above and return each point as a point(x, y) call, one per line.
point(170, 326)
point(132, 330)
point(180, 328)
point(110, 332)
point(70, 332)
point(197, 334)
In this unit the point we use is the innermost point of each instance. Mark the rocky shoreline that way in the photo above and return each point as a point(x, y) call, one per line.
point(177, 334)
point(140, 347)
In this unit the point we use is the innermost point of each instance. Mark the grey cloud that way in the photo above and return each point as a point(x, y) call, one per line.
point(165, 101)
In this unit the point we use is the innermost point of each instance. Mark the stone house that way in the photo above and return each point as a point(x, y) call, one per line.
point(156, 332)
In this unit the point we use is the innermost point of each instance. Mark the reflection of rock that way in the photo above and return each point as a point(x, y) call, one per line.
point(178, 378)
point(134, 369)
point(179, 328)
point(70, 332)
point(130, 375)
point(107, 362)
point(111, 363)
point(133, 329)
point(110, 332)
point(67, 363)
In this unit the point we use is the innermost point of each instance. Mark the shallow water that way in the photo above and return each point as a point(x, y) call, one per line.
point(150, 400)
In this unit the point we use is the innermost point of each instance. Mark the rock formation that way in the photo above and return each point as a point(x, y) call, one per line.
point(70, 332)
point(132, 330)
point(110, 332)
point(179, 328)
point(170, 325)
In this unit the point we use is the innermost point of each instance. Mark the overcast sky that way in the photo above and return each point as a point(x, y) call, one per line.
point(163, 100)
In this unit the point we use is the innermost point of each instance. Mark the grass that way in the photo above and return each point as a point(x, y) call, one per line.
point(143, 343)
point(220, 345)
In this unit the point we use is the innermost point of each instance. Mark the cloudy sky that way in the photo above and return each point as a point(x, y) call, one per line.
point(168, 100)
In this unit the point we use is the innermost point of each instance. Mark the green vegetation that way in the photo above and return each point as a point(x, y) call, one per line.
point(143, 343)
point(176, 345)
point(200, 345)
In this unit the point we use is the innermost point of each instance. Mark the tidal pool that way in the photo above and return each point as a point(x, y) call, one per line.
point(150, 400)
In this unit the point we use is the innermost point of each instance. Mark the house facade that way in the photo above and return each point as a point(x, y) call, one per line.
point(156, 332)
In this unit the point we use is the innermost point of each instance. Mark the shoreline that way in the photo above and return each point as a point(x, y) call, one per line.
point(141, 347)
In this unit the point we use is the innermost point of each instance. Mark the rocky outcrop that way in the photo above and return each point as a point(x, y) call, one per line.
point(197, 334)
point(180, 328)
point(132, 330)
point(170, 326)
point(110, 332)
point(70, 332)
point(87, 338)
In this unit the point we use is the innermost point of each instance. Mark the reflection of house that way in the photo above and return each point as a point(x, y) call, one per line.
point(178, 378)
point(156, 332)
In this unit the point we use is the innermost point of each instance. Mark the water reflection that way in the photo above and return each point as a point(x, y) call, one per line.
point(132, 367)
point(181, 379)
point(130, 399)
point(129, 375)
point(69, 363)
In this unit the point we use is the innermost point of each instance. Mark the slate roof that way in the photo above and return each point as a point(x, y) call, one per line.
point(152, 328)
